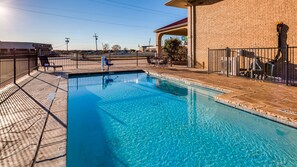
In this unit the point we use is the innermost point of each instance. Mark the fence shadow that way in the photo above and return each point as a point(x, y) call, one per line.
point(23, 120)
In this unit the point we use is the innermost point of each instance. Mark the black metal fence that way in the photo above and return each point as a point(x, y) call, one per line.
point(77, 60)
point(16, 64)
point(268, 64)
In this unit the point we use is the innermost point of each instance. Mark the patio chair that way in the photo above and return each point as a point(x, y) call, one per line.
point(164, 62)
point(46, 64)
point(149, 60)
point(108, 63)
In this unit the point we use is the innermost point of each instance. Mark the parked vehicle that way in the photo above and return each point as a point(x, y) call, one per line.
point(53, 54)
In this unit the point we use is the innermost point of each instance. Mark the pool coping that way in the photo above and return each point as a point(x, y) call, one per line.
point(103, 73)
point(219, 99)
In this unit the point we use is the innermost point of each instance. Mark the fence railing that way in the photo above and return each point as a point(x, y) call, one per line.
point(14, 65)
point(81, 61)
point(268, 64)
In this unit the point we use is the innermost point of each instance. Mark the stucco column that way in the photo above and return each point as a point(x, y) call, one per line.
point(159, 43)
point(190, 38)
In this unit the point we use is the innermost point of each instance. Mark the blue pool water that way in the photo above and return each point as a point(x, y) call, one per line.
point(137, 120)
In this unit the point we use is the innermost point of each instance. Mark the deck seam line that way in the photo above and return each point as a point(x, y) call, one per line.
point(44, 126)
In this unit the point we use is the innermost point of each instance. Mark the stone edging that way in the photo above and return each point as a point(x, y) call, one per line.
point(188, 81)
point(254, 111)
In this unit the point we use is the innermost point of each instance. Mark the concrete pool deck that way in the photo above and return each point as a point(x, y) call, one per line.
point(33, 116)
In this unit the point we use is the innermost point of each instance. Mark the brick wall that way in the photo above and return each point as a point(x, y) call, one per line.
point(243, 23)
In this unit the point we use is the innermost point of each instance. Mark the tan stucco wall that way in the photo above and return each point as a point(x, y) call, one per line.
point(243, 23)
point(190, 39)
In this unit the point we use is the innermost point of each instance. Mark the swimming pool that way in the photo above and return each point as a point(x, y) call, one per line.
point(135, 119)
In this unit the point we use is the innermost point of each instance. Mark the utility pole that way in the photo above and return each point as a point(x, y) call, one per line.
point(96, 38)
point(149, 45)
point(67, 41)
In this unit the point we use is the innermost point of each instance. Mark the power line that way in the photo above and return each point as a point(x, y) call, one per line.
point(59, 46)
point(103, 13)
point(136, 8)
point(77, 18)
point(139, 7)
point(73, 11)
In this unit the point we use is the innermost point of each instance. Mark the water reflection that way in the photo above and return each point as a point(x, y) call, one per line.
point(191, 108)
point(171, 88)
point(149, 79)
point(200, 109)
point(107, 80)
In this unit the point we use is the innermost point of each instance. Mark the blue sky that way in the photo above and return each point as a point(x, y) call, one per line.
point(124, 22)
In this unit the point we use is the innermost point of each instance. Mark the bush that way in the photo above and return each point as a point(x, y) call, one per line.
point(171, 47)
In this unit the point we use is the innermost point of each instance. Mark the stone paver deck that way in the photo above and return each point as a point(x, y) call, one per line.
point(33, 113)
point(33, 122)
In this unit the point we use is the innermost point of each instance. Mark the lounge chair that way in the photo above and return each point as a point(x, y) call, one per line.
point(157, 60)
point(46, 64)
point(108, 63)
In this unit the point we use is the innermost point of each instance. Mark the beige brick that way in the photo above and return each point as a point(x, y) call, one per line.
point(243, 23)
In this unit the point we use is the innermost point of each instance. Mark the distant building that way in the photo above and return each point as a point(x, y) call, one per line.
point(150, 48)
point(7, 47)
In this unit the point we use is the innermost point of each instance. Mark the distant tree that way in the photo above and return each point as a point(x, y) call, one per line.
point(105, 47)
point(125, 50)
point(116, 48)
point(171, 47)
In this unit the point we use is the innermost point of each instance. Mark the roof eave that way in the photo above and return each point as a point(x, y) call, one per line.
point(177, 3)
point(186, 3)
point(173, 27)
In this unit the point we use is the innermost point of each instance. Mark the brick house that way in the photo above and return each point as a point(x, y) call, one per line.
point(235, 24)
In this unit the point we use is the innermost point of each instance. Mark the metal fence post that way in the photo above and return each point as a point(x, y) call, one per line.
point(0, 69)
point(228, 56)
point(137, 58)
point(36, 59)
point(29, 62)
point(208, 62)
point(14, 66)
point(287, 68)
point(76, 60)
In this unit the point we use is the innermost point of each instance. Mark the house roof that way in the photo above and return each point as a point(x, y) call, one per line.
point(176, 24)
